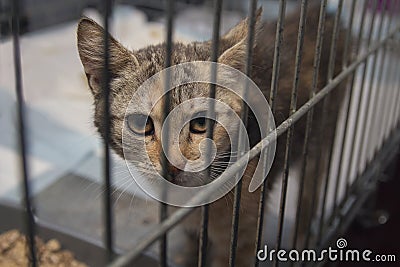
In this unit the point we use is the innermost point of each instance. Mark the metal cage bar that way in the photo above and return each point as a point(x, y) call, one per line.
point(289, 136)
point(168, 60)
point(29, 216)
point(243, 117)
point(108, 216)
point(203, 239)
point(280, 25)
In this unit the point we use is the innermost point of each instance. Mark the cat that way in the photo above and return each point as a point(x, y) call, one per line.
point(129, 69)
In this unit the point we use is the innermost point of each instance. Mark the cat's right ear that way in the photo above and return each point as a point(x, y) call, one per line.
point(234, 42)
point(90, 38)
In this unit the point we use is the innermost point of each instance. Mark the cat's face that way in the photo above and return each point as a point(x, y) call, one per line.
point(142, 119)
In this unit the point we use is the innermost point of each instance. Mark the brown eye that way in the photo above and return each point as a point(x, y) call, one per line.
point(140, 124)
point(198, 125)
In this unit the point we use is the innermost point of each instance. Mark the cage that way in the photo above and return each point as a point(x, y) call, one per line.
point(68, 184)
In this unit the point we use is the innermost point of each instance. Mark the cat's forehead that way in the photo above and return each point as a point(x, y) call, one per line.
point(150, 97)
point(181, 86)
point(149, 83)
point(156, 54)
point(154, 98)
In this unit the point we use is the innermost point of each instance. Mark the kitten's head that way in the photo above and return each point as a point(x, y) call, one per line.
point(130, 69)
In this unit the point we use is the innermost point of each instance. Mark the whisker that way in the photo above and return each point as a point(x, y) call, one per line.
point(122, 192)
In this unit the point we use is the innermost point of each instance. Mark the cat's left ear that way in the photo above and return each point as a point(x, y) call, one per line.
point(90, 37)
point(234, 42)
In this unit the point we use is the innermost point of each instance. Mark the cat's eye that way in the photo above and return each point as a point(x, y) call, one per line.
point(198, 125)
point(140, 124)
